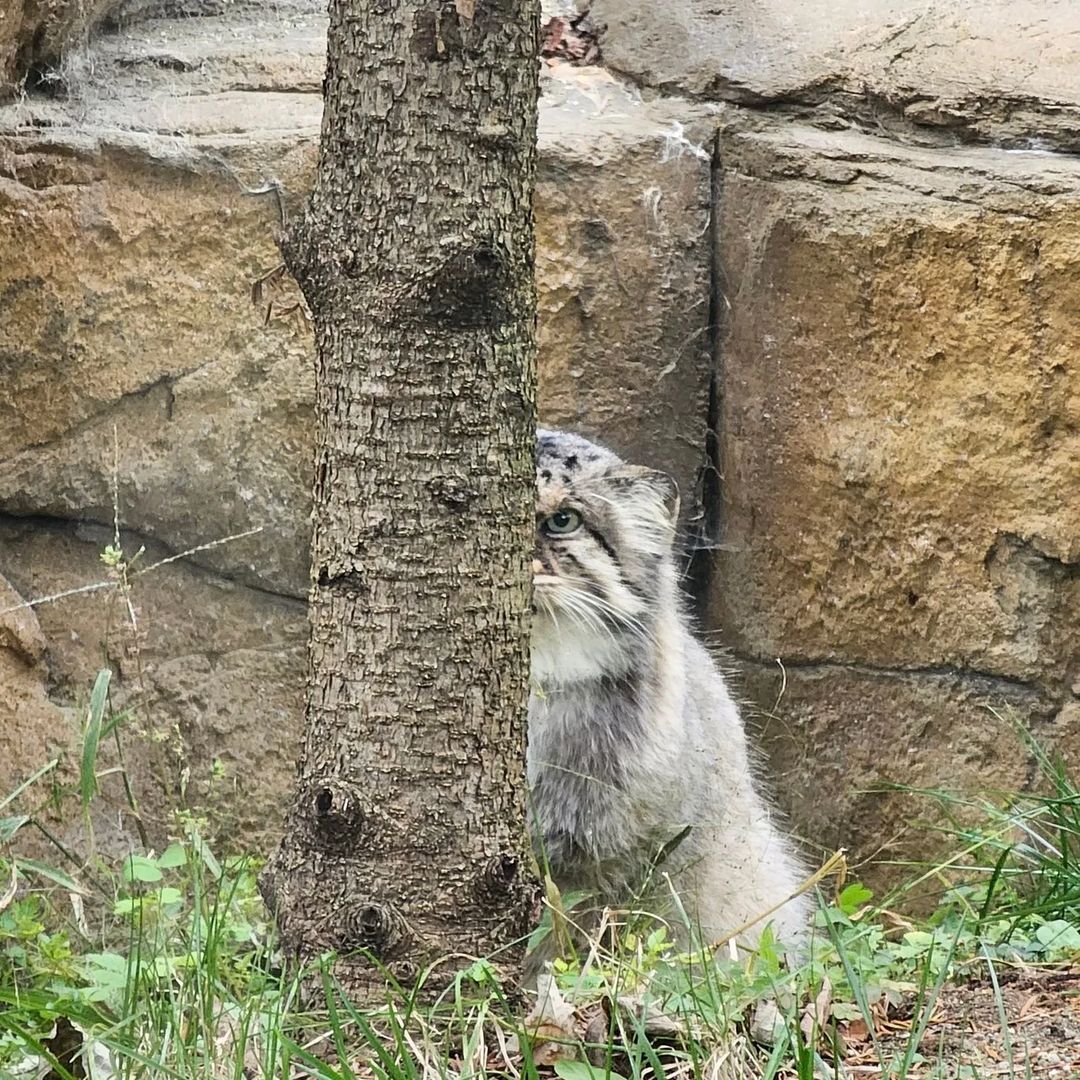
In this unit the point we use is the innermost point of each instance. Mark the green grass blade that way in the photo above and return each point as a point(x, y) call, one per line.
point(991, 885)
point(33, 778)
point(50, 873)
point(92, 737)
point(9, 826)
point(927, 1004)
point(314, 1065)
point(858, 991)
point(999, 1002)
point(336, 1028)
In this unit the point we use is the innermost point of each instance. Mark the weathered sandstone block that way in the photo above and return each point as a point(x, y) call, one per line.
point(900, 438)
point(987, 69)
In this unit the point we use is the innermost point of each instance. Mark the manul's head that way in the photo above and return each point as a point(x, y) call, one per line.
point(603, 570)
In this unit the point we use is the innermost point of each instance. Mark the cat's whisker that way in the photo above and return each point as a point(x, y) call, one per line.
point(549, 609)
point(583, 590)
point(625, 620)
point(573, 602)
point(568, 600)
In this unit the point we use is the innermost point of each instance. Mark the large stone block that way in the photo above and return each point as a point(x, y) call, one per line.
point(1002, 70)
point(900, 453)
point(209, 677)
point(33, 729)
point(901, 414)
point(622, 275)
point(130, 347)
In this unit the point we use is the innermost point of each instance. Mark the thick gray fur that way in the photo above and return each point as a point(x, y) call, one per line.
point(633, 734)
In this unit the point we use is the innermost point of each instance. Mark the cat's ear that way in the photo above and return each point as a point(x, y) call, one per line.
point(659, 484)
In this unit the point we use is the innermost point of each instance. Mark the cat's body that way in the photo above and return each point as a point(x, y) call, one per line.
point(633, 735)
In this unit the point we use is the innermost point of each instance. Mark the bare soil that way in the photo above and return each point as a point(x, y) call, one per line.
point(965, 1037)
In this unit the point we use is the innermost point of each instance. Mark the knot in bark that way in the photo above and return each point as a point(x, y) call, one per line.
point(496, 880)
point(454, 492)
point(465, 290)
point(337, 815)
point(347, 581)
point(377, 928)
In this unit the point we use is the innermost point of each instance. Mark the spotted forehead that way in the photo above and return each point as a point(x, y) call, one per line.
point(563, 460)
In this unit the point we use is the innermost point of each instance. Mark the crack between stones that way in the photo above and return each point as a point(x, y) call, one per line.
point(304, 88)
point(167, 381)
point(68, 526)
point(988, 209)
point(700, 567)
point(872, 112)
point(951, 671)
point(831, 102)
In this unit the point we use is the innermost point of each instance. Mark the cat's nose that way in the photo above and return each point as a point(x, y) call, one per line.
point(538, 566)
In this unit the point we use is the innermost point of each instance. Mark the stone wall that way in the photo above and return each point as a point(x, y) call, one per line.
point(896, 225)
point(874, 207)
point(137, 376)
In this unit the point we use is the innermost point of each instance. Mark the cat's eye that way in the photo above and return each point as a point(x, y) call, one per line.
point(562, 522)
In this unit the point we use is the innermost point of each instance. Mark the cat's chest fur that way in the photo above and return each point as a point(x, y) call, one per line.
point(589, 764)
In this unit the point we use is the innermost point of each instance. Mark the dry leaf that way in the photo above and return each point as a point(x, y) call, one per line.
point(551, 1025)
point(572, 39)
point(78, 914)
point(466, 8)
point(856, 1031)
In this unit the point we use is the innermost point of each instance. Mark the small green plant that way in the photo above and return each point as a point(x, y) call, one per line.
point(163, 963)
point(159, 956)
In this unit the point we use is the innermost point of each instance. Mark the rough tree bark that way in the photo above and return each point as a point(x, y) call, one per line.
point(406, 837)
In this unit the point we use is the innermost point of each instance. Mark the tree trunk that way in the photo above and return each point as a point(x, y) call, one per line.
point(406, 838)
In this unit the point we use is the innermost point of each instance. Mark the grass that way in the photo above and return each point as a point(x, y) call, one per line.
point(163, 964)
